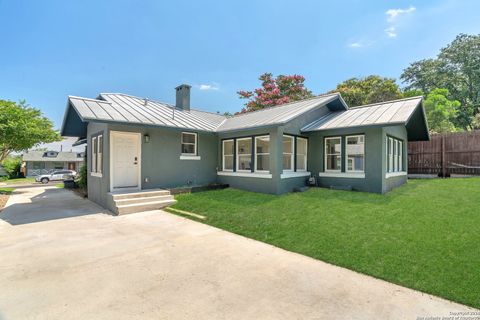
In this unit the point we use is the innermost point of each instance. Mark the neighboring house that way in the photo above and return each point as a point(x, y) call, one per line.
point(44, 162)
point(137, 144)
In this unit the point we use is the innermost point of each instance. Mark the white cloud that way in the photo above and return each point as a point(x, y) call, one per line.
point(355, 45)
point(206, 87)
point(392, 14)
point(393, 17)
point(360, 44)
point(391, 32)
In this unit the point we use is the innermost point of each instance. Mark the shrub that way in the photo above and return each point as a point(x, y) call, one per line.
point(12, 166)
point(82, 178)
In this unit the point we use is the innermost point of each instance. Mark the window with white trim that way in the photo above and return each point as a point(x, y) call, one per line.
point(333, 154)
point(262, 154)
point(227, 147)
point(355, 153)
point(189, 143)
point(302, 153)
point(288, 145)
point(394, 155)
point(244, 154)
point(97, 152)
point(94, 155)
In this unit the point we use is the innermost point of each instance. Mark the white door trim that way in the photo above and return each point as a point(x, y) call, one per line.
point(139, 137)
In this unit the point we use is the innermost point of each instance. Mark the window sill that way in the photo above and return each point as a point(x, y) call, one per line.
point(190, 157)
point(352, 175)
point(290, 174)
point(395, 174)
point(245, 174)
point(96, 174)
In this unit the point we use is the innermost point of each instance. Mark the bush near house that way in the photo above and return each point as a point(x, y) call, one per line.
point(423, 235)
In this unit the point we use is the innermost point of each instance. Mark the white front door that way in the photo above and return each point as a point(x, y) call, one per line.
point(125, 155)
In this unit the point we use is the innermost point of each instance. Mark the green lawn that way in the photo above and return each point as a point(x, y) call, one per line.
point(20, 181)
point(424, 235)
point(6, 190)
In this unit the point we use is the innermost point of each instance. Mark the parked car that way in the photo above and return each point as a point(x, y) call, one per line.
point(55, 176)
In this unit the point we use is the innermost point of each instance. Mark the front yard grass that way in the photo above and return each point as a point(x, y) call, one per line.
point(424, 235)
point(20, 181)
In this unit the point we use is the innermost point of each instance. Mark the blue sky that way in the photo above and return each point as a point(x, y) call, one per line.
point(51, 49)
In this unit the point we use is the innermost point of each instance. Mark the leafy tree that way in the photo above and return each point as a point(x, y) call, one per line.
point(371, 89)
point(275, 91)
point(456, 68)
point(22, 127)
point(441, 112)
point(12, 166)
point(412, 93)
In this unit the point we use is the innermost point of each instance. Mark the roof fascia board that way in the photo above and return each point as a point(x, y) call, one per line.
point(390, 124)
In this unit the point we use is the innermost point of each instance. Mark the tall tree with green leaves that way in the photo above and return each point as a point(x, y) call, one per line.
point(371, 89)
point(456, 68)
point(22, 127)
point(441, 111)
point(275, 91)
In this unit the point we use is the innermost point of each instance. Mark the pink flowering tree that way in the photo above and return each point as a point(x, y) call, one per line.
point(275, 91)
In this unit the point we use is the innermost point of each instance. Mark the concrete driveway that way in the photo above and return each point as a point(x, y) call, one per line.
point(62, 258)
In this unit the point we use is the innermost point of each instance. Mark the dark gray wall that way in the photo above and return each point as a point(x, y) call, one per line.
point(161, 162)
point(266, 185)
point(399, 132)
point(373, 159)
point(98, 187)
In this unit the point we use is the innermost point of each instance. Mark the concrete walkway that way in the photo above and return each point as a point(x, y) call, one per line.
point(61, 258)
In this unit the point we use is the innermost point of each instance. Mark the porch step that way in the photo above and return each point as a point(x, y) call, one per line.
point(145, 206)
point(140, 194)
point(138, 200)
point(141, 200)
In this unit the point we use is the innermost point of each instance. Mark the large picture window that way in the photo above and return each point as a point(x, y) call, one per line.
point(288, 142)
point(244, 154)
point(97, 152)
point(302, 150)
point(333, 154)
point(189, 143)
point(227, 155)
point(395, 155)
point(355, 153)
point(262, 153)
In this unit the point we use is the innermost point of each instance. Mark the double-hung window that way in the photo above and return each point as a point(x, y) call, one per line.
point(288, 153)
point(189, 143)
point(302, 149)
point(244, 154)
point(333, 154)
point(97, 152)
point(227, 147)
point(355, 153)
point(394, 155)
point(262, 154)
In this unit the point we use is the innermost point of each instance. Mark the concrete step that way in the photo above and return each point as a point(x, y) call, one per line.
point(138, 200)
point(146, 206)
point(140, 194)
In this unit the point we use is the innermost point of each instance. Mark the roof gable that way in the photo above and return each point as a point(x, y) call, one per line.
point(378, 114)
point(281, 114)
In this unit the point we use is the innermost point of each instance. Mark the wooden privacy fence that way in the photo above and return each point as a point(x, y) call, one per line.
point(445, 154)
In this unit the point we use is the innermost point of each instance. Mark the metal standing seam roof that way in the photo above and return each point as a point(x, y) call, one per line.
point(61, 156)
point(276, 115)
point(122, 108)
point(384, 113)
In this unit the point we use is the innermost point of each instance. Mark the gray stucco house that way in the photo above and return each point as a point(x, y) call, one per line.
point(136, 144)
point(44, 162)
